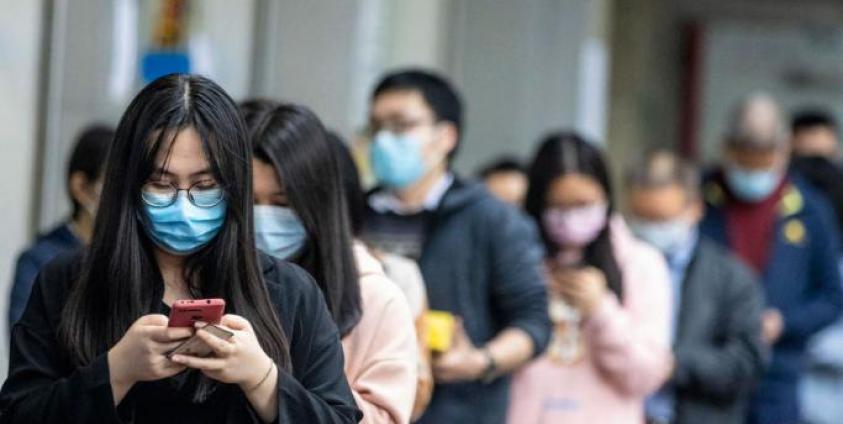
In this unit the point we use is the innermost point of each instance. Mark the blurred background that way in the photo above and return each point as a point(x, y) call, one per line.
point(627, 73)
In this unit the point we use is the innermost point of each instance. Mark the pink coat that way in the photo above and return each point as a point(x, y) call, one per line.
point(627, 355)
point(381, 353)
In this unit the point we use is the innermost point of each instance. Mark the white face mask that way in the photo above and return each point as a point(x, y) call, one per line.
point(666, 236)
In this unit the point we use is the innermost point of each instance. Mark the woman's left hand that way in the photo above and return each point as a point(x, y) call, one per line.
point(239, 360)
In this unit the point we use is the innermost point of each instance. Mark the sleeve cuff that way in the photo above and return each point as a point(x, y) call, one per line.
point(96, 374)
point(538, 332)
point(96, 378)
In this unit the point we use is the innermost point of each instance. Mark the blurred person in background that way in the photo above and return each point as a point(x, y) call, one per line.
point(609, 298)
point(301, 216)
point(481, 260)
point(717, 303)
point(506, 179)
point(816, 154)
point(785, 232)
point(84, 181)
point(404, 272)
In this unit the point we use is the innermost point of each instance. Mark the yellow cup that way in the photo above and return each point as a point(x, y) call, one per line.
point(440, 330)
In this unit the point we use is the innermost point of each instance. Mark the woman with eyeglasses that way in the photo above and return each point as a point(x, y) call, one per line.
point(301, 215)
point(174, 223)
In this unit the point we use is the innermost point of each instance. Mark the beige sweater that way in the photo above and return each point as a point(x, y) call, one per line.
point(381, 351)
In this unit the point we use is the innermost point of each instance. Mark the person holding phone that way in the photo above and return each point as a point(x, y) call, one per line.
point(301, 215)
point(175, 223)
point(609, 298)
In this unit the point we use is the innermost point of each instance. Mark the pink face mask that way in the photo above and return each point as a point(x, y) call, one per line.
point(575, 227)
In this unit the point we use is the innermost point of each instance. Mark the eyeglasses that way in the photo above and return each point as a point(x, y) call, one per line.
point(204, 194)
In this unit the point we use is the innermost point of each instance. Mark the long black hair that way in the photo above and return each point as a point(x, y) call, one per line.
point(565, 153)
point(293, 140)
point(355, 198)
point(120, 280)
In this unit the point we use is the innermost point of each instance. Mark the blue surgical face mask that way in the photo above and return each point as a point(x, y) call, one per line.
point(279, 231)
point(752, 186)
point(397, 160)
point(666, 236)
point(183, 228)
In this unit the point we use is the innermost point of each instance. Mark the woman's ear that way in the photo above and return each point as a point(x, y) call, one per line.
point(82, 190)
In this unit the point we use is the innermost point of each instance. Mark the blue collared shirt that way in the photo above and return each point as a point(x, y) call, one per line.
point(661, 405)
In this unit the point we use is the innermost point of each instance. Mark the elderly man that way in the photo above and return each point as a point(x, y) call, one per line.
point(785, 232)
point(717, 300)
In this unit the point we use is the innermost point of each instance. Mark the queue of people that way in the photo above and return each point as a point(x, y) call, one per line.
point(540, 294)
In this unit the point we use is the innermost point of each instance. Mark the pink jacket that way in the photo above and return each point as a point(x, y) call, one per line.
point(380, 352)
point(627, 351)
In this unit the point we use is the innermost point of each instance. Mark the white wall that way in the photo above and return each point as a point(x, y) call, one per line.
point(20, 27)
point(95, 71)
point(523, 67)
point(741, 57)
point(327, 54)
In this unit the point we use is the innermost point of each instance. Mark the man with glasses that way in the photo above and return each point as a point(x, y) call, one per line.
point(481, 260)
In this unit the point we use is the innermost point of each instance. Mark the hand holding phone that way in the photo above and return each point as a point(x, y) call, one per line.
point(186, 313)
point(140, 355)
point(583, 289)
point(243, 362)
point(195, 346)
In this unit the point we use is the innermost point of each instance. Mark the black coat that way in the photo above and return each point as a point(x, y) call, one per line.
point(44, 387)
point(719, 352)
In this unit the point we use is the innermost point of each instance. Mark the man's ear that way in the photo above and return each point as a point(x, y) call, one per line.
point(447, 137)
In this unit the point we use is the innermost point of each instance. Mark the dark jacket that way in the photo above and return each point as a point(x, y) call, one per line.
point(45, 387)
point(58, 240)
point(718, 348)
point(482, 261)
point(826, 176)
point(801, 280)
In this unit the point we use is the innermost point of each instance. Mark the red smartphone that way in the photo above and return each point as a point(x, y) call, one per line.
point(185, 313)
